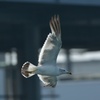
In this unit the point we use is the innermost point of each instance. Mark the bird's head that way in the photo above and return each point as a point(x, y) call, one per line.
point(63, 71)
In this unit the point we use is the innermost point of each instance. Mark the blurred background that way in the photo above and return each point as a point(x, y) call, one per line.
point(24, 25)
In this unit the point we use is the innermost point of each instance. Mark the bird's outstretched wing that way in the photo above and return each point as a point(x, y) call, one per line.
point(52, 45)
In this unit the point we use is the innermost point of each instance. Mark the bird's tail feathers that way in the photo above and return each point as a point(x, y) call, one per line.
point(28, 69)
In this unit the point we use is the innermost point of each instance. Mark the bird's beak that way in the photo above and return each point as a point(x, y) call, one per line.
point(69, 73)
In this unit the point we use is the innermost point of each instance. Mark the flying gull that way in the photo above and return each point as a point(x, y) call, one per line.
point(47, 69)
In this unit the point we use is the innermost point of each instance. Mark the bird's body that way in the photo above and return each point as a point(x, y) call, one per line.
point(47, 69)
point(43, 70)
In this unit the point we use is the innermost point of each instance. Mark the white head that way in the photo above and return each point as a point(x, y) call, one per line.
point(63, 71)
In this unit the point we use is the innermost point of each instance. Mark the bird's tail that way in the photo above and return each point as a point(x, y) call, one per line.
point(28, 69)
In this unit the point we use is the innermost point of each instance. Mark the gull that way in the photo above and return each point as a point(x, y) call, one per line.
point(47, 69)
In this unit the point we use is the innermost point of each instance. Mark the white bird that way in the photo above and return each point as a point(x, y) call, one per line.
point(47, 69)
